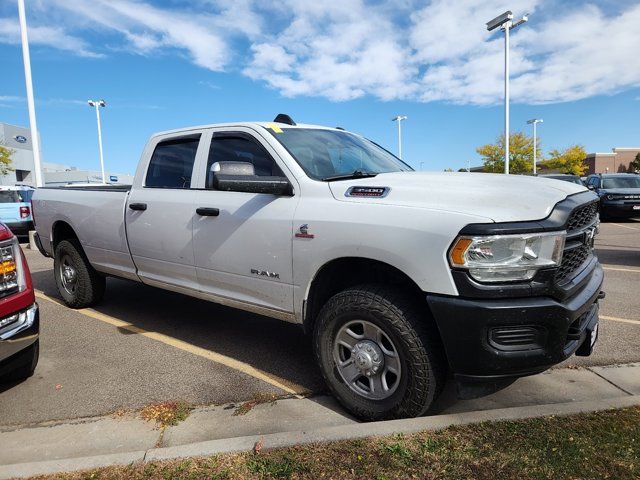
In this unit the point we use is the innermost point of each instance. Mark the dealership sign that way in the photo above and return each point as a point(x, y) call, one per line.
point(20, 139)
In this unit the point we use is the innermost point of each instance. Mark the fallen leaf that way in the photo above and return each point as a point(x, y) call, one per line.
point(258, 446)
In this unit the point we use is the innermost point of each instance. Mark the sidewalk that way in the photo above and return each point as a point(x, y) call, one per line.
point(89, 443)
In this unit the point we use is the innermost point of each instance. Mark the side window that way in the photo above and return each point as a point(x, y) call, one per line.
point(172, 162)
point(241, 149)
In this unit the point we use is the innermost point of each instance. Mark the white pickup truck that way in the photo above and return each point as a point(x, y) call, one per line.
point(403, 278)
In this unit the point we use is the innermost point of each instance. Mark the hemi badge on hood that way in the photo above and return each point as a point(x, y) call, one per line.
point(375, 192)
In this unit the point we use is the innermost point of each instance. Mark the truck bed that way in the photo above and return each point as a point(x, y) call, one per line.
point(96, 215)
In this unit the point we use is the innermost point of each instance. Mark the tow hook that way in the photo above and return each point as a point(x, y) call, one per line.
point(601, 295)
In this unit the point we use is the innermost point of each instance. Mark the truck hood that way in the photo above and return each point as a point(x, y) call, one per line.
point(500, 198)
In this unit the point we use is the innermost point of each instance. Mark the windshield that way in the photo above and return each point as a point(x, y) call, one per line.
point(329, 153)
point(632, 181)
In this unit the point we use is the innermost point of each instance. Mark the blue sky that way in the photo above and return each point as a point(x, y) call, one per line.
point(356, 64)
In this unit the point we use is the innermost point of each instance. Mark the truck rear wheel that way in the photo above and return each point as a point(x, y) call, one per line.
point(79, 284)
point(378, 353)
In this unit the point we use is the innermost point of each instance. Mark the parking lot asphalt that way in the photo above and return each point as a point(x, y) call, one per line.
point(143, 345)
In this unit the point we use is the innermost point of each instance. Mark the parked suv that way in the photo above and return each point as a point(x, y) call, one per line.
point(619, 193)
point(19, 319)
point(15, 208)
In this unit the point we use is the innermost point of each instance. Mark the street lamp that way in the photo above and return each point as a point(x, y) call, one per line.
point(505, 23)
point(399, 119)
point(33, 126)
point(97, 104)
point(534, 122)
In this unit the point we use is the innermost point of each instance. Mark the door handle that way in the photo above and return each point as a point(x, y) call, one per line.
point(208, 212)
point(138, 206)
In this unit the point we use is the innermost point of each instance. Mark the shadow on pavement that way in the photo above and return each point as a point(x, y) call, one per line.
point(275, 347)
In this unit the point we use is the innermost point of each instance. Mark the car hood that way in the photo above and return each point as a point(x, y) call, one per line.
point(500, 198)
point(621, 191)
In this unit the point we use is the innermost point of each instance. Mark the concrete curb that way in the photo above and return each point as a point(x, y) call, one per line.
point(285, 439)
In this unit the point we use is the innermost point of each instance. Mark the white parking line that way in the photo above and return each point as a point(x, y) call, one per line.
point(625, 226)
point(615, 269)
point(617, 319)
point(187, 347)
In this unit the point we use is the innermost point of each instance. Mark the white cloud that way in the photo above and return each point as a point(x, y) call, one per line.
point(399, 49)
point(45, 35)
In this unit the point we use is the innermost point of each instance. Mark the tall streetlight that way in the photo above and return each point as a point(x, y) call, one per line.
point(505, 23)
point(399, 119)
point(33, 126)
point(534, 122)
point(97, 104)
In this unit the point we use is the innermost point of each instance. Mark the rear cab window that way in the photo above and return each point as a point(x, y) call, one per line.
point(171, 164)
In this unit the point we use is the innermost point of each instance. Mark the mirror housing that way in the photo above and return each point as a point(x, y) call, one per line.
point(241, 177)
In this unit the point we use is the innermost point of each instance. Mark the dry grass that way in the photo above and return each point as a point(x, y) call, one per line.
point(166, 413)
point(604, 445)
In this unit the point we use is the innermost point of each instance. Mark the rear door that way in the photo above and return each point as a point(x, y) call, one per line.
point(159, 214)
point(244, 252)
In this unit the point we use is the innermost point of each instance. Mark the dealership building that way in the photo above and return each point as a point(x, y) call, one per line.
point(618, 161)
point(18, 139)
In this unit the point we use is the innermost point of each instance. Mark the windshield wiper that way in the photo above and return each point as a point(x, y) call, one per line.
point(347, 176)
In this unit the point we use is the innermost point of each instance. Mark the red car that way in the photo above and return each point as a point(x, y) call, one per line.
point(19, 318)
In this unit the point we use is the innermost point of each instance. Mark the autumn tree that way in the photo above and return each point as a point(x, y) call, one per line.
point(5, 160)
point(520, 154)
point(635, 164)
point(569, 160)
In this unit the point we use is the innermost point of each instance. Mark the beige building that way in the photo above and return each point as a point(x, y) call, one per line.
point(617, 161)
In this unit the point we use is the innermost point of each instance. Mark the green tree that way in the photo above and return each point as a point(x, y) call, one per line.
point(569, 160)
point(520, 154)
point(635, 164)
point(5, 160)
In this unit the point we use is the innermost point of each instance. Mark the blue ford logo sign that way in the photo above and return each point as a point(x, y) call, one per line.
point(20, 139)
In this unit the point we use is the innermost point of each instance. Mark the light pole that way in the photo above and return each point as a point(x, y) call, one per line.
point(97, 104)
point(33, 126)
point(534, 122)
point(399, 119)
point(504, 22)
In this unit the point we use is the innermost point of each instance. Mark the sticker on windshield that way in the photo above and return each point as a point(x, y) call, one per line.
point(275, 128)
point(375, 192)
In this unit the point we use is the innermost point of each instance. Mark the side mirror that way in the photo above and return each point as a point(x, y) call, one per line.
point(241, 177)
point(591, 187)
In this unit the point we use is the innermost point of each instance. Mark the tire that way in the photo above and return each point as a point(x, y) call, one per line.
point(83, 287)
point(25, 364)
point(409, 332)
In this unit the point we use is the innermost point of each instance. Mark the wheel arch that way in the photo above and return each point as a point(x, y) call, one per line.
point(341, 273)
point(62, 230)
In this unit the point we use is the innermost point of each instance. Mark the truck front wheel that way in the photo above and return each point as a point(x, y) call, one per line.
point(78, 282)
point(378, 353)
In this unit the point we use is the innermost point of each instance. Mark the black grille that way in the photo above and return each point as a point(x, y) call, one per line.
point(582, 217)
point(572, 260)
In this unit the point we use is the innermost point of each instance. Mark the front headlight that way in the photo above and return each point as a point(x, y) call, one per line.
point(507, 258)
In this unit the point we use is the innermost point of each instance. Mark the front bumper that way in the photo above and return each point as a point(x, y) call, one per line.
point(20, 228)
point(473, 332)
point(613, 208)
point(19, 335)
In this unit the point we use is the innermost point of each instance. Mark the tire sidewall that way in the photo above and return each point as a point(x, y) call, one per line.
point(65, 247)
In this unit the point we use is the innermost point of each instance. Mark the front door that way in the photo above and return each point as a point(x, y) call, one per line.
point(244, 253)
point(159, 214)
